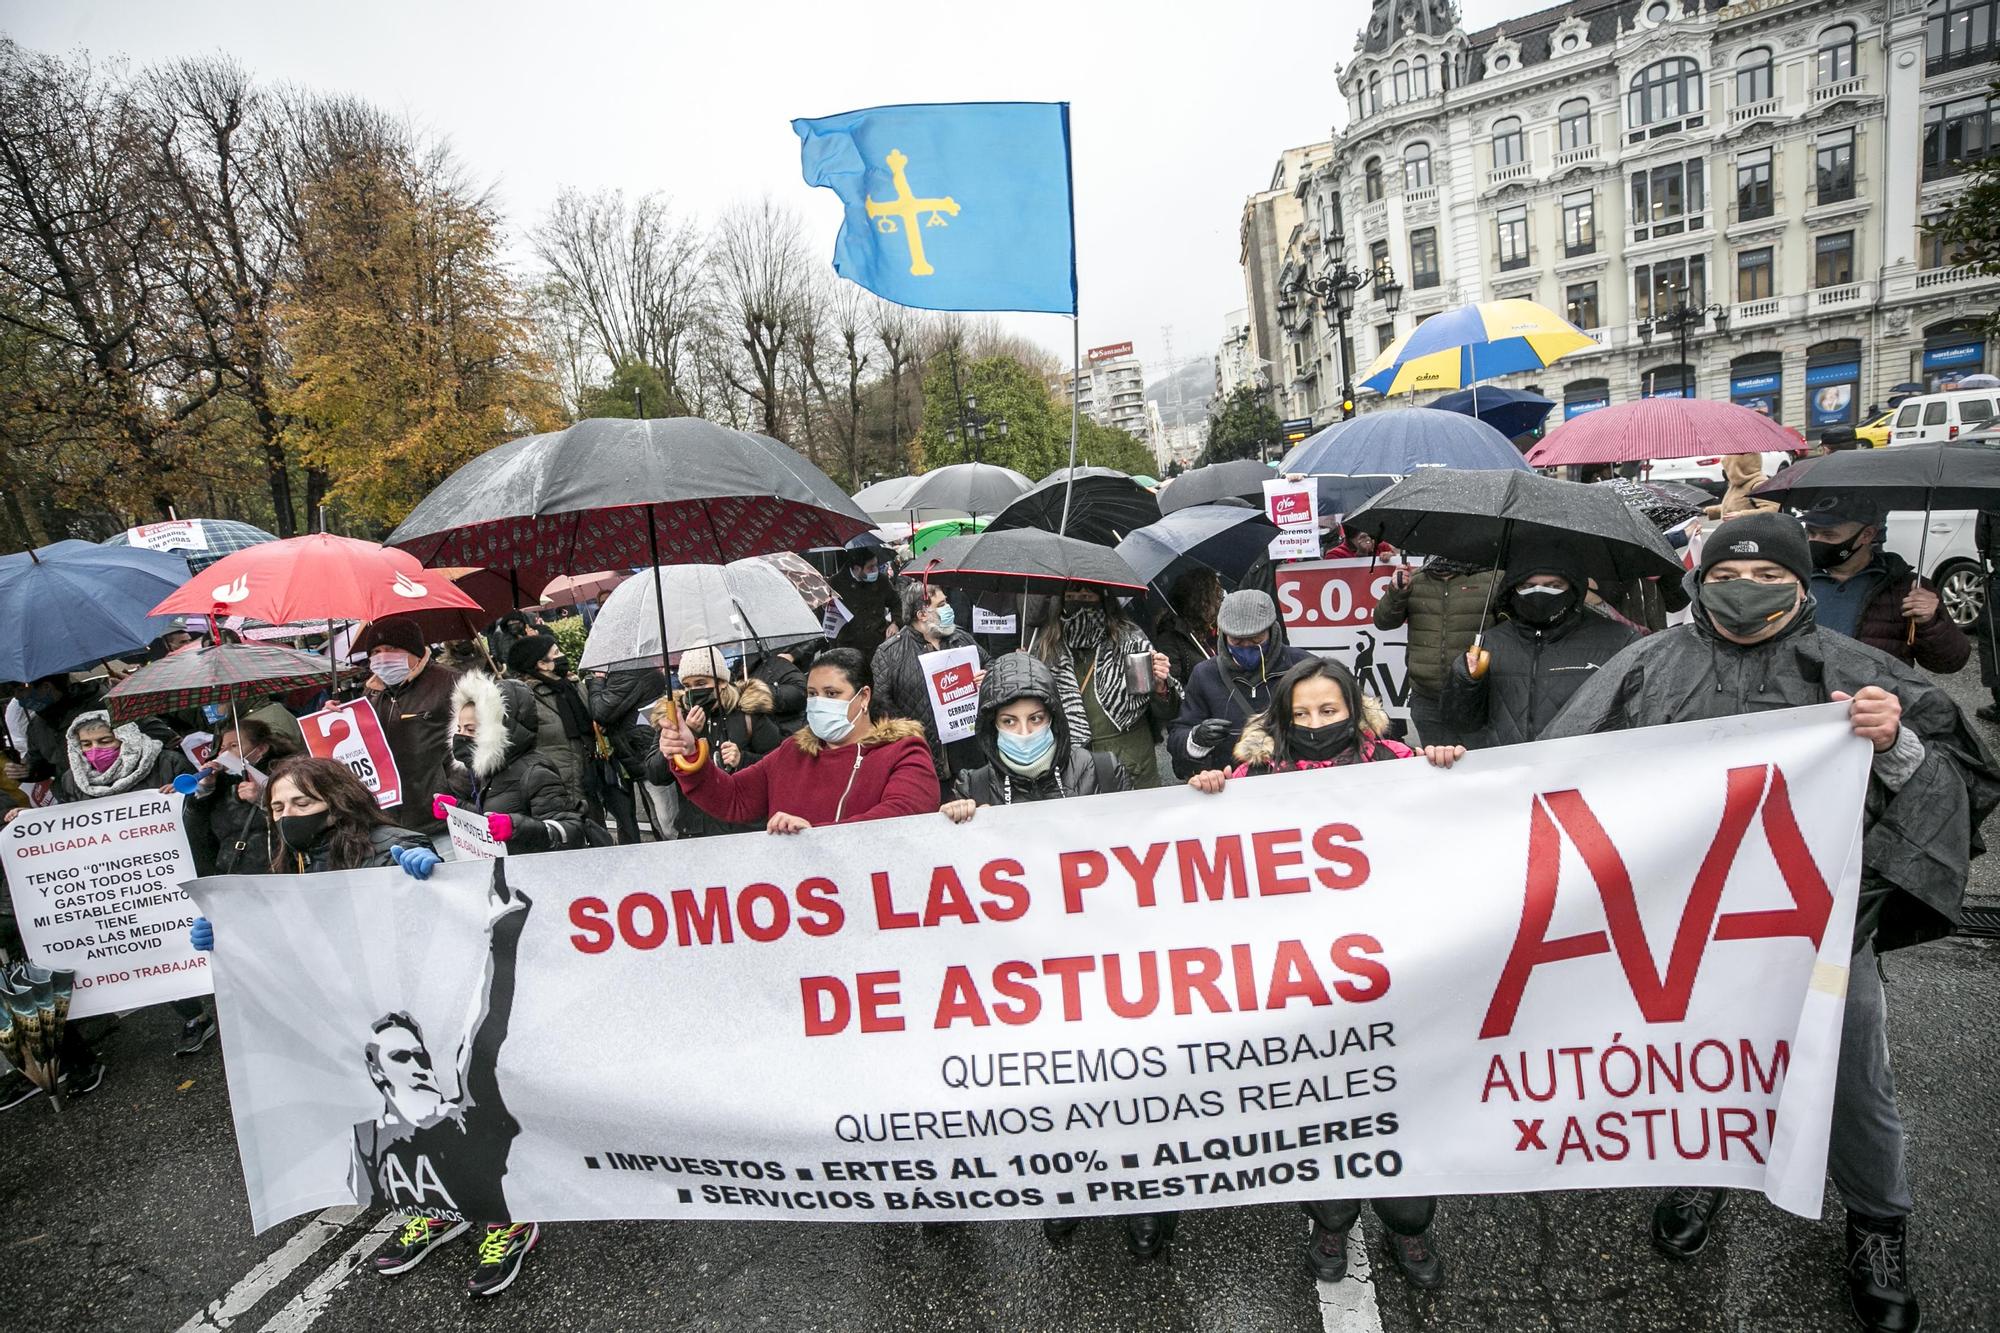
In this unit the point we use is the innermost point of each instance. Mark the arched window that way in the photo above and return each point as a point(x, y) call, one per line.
point(1371, 179)
point(1399, 83)
point(1573, 123)
point(1420, 78)
point(1374, 91)
point(1753, 76)
point(1836, 54)
point(1416, 166)
point(1665, 91)
point(1509, 145)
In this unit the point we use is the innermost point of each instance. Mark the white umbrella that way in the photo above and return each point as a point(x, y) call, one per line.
point(747, 602)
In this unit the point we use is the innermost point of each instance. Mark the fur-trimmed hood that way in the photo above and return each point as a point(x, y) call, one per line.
point(505, 715)
point(889, 729)
point(1257, 745)
point(752, 696)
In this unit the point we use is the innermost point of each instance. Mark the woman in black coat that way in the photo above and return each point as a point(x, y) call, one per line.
point(227, 830)
point(738, 721)
point(496, 770)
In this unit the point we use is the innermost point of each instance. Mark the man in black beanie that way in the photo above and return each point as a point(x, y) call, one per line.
point(1753, 646)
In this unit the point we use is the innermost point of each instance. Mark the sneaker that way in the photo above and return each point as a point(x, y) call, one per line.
point(419, 1236)
point(501, 1255)
point(196, 1033)
point(75, 1083)
point(1683, 1221)
point(16, 1088)
point(1326, 1254)
point(1419, 1262)
point(1878, 1275)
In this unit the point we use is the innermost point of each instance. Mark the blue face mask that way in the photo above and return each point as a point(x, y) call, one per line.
point(868, 577)
point(1247, 658)
point(1027, 751)
point(829, 720)
point(947, 619)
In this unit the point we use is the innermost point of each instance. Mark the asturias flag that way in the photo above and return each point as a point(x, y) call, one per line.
point(951, 206)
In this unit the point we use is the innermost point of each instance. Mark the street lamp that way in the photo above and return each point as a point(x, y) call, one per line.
point(976, 425)
point(1679, 322)
point(1333, 292)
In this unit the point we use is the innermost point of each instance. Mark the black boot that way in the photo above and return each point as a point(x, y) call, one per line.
point(1418, 1258)
point(1878, 1275)
point(1147, 1234)
point(1058, 1230)
point(1326, 1253)
point(1683, 1220)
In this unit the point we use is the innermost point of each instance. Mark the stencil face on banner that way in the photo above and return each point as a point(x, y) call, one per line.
point(1052, 1010)
point(1328, 606)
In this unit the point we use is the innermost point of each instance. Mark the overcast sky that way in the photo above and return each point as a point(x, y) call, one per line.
point(1178, 110)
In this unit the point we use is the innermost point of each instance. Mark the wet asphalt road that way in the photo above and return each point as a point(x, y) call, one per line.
point(127, 1213)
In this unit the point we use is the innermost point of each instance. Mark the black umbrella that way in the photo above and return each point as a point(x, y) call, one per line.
point(1023, 560)
point(1241, 478)
point(1105, 506)
point(1224, 538)
point(1653, 504)
point(1481, 517)
point(964, 488)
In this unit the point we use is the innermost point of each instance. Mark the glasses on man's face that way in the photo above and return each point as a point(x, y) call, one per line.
point(416, 1056)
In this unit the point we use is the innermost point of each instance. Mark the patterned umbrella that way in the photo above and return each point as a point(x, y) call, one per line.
point(214, 673)
point(200, 541)
point(812, 584)
point(1475, 342)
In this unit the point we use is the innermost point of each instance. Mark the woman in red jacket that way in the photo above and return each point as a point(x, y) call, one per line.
point(847, 763)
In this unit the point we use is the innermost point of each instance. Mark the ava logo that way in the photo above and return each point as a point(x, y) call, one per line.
point(1755, 792)
point(405, 586)
point(233, 592)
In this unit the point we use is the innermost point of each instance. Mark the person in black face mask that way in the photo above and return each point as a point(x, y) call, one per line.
point(1755, 645)
point(1535, 660)
point(1319, 718)
point(564, 732)
point(1871, 594)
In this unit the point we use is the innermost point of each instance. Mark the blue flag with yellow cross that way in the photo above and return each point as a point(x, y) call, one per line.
point(953, 205)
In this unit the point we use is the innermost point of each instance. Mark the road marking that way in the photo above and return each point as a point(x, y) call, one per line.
point(260, 1281)
point(1348, 1306)
point(300, 1312)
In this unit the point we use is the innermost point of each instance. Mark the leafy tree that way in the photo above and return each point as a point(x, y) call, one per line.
point(613, 398)
point(1241, 425)
point(1107, 446)
point(1037, 439)
point(1970, 228)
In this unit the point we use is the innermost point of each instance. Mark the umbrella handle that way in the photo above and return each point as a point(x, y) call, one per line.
point(681, 762)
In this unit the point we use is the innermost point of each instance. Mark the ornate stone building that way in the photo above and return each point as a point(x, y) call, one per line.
point(1757, 172)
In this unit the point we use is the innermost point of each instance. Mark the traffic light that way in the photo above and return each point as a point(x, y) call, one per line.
point(1347, 407)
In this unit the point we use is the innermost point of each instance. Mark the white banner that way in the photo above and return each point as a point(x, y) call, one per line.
point(97, 891)
point(470, 838)
point(951, 679)
point(1124, 1003)
point(1294, 507)
point(990, 622)
point(180, 534)
point(1329, 607)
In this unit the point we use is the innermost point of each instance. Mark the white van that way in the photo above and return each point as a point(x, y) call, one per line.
point(1935, 418)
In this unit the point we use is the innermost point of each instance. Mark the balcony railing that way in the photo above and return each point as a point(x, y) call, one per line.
point(1827, 298)
point(1770, 107)
point(1945, 277)
point(1853, 87)
point(1570, 157)
point(1514, 172)
point(1423, 194)
point(1754, 312)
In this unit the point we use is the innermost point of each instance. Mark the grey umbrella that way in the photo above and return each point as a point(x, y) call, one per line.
point(1240, 478)
point(964, 488)
point(747, 602)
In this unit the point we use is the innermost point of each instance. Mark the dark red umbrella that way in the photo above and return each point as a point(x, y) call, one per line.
point(1663, 428)
point(319, 577)
point(214, 673)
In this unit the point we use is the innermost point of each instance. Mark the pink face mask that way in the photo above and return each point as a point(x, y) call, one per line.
point(101, 757)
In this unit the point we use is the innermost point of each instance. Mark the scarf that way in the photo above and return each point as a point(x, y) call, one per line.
point(1088, 632)
point(137, 753)
point(569, 707)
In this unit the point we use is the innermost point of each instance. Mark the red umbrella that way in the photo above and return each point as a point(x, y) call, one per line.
point(1663, 428)
point(319, 577)
point(575, 589)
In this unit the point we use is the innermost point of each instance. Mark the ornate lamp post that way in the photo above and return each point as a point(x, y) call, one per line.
point(1679, 322)
point(1333, 291)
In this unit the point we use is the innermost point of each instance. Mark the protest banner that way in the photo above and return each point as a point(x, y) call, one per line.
point(470, 838)
point(181, 534)
point(351, 734)
point(1294, 507)
point(1124, 1003)
point(1328, 606)
point(991, 622)
point(951, 680)
point(97, 891)
point(834, 617)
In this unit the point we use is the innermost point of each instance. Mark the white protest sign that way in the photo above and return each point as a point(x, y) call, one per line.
point(183, 534)
point(1294, 507)
point(1329, 607)
point(951, 681)
point(470, 839)
point(1122, 1003)
point(96, 888)
point(988, 622)
point(834, 616)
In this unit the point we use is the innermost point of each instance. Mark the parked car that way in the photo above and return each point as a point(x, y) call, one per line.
point(1934, 418)
point(1707, 472)
point(1876, 433)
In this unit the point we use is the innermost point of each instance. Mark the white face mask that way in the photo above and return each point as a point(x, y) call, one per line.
point(829, 720)
point(391, 665)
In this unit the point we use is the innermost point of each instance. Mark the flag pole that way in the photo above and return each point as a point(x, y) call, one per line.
point(1075, 389)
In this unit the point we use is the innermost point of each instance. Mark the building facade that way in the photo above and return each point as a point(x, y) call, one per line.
point(1234, 364)
point(1110, 389)
point(1729, 197)
point(1269, 229)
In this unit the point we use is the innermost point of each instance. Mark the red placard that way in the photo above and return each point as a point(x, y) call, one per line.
point(351, 734)
point(953, 683)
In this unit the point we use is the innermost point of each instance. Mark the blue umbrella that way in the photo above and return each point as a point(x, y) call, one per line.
point(1510, 411)
point(74, 603)
point(1400, 441)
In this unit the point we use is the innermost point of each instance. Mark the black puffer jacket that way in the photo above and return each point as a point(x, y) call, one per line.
point(618, 705)
point(1084, 773)
point(874, 607)
point(788, 690)
point(750, 727)
point(1532, 674)
point(1917, 840)
point(507, 774)
point(384, 838)
point(900, 689)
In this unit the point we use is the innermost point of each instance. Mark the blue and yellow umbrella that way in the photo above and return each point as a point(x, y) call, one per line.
point(1472, 343)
